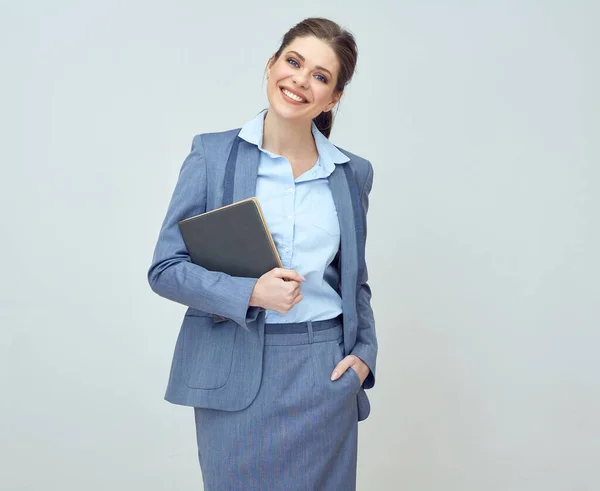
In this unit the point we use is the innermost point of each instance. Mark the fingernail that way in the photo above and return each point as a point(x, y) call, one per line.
point(334, 375)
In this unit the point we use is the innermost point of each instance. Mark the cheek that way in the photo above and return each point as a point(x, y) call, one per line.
point(322, 94)
point(279, 72)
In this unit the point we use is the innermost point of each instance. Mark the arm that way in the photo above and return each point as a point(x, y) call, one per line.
point(366, 340)
point(172, 274)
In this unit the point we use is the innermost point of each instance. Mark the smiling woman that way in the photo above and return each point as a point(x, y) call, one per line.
point(299, 77)
point(276, 367)
point(313, 65)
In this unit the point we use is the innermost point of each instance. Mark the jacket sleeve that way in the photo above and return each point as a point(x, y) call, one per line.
point(366, 340)
point(172, 274)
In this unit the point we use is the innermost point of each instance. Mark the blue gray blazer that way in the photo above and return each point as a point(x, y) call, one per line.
point(218, 355)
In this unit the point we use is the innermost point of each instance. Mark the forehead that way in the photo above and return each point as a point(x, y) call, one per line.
point(315, 52)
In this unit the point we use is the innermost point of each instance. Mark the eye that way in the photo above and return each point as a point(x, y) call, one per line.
point(294, 63)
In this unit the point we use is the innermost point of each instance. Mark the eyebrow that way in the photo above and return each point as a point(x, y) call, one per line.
point(318, 67)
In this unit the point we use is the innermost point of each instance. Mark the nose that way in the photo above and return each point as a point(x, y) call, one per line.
point(300, 79)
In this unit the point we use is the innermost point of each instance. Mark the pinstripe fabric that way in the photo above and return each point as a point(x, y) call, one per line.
point(213, 296)
point(232, 382)
point(299, 434)
point(359, 219)
point(267, 415)
point(229, 180)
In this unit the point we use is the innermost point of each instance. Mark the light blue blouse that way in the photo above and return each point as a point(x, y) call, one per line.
point(302, 219)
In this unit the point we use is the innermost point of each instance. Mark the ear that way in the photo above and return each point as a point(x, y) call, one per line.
point(334, 100)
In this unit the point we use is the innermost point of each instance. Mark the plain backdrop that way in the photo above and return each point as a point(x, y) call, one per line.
point(482, 121)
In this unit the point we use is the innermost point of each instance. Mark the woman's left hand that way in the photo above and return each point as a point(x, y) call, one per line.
point(351, 362)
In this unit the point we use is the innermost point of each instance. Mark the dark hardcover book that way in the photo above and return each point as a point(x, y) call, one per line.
point(233, 239)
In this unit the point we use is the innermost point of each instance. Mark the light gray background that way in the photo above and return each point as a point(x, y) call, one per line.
point(482, 123)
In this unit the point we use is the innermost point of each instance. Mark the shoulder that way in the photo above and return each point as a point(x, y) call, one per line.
point(214, 147)
point(360, 166)
point(215, 140)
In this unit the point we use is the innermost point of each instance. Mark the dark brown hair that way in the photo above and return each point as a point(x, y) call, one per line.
point(343, 44)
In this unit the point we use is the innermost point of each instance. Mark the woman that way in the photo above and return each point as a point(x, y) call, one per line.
point(276, 367)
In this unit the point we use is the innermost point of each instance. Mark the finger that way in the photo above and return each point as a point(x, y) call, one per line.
point(298, 299)
point(288, 274)
point(341, 367)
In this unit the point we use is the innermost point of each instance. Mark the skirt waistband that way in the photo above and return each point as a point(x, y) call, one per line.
point(303, 332)
point(300, 327)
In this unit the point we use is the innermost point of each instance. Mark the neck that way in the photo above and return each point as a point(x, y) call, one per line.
point(287, 138)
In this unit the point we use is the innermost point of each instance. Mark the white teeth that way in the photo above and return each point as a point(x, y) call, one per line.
point(292, 96)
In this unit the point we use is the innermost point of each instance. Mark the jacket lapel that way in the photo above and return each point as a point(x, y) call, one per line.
point(246, 172)
point(241, 171)
point(343, 200)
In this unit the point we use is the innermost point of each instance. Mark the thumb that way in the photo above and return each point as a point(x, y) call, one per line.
point(289, 274)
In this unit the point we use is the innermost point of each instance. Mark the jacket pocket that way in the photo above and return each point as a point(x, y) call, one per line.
point(207, 351)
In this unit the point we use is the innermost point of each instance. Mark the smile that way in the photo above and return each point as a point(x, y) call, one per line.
point(293, 96)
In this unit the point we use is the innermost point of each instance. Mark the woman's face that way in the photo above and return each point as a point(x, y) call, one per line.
point(301, 83)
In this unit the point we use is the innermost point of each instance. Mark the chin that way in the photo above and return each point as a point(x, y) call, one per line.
point(284, 111)
point(288, 111)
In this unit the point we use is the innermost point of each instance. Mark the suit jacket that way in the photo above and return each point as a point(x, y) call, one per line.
point(218, 355)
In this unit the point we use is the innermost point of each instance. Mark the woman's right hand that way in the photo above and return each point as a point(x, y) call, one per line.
point(278, 290)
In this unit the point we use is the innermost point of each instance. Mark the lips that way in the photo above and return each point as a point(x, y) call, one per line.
point(302, 101)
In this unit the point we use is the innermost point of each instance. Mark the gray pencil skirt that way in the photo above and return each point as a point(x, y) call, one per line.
point(301, 431)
